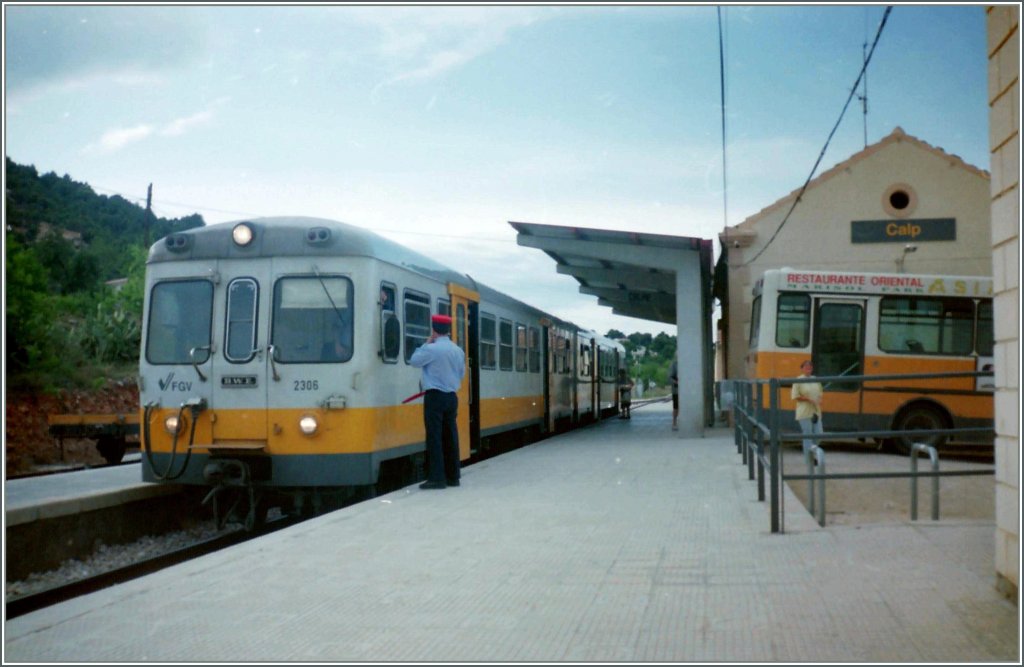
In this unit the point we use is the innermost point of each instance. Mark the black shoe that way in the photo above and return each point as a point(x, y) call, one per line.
point(432, 485)
point(451, 483)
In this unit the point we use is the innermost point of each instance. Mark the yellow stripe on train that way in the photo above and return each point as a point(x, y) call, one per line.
point(346, 431)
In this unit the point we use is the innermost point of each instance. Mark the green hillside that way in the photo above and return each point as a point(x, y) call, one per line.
point(63, 242)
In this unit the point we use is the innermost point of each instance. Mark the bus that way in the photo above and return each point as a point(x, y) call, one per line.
point(851, 324)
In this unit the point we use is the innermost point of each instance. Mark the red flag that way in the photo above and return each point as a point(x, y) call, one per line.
point(413, 397)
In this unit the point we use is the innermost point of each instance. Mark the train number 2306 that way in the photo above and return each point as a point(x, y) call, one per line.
point(306, 385)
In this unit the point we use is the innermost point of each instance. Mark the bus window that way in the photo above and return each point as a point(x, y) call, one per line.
point(755, 322)
point(838, 342)
point(793, 320)
point(984, 343)
point(926, 325)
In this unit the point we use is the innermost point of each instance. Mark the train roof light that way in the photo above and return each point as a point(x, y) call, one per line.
point(242, 234)
point(178, 242)
point(318, 235)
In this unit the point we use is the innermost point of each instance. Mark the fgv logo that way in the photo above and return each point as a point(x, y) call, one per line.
point(174, 385)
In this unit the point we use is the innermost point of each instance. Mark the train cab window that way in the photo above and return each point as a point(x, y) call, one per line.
point(521, 348)
point(505, 345)
point(312, 321)
point(180, 319)
point(488, 340)
point(793, 321)
point(417, 321)
point(240, 328)
point(534, 350)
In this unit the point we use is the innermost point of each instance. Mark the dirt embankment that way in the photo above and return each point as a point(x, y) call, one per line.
point(27, 438)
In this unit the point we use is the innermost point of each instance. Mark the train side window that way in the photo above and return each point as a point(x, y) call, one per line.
point(444, 307)
point(180, 319)
point(793, 321)
point(521, 348)
point(488, 340)
point(240, 328)
point(505, 343)
point(534, 350)
point(387, 297)
point(417, 321)
point(460, 325)
point(390, 327)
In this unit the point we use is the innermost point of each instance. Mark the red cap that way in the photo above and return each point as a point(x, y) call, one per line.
point(441, 319)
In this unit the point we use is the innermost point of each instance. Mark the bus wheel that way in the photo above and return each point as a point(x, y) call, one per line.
point(919, 417)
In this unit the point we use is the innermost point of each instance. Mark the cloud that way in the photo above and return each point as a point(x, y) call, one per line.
point(54, 47)
point(423, 44)
point(180, 126)
point(116, 139)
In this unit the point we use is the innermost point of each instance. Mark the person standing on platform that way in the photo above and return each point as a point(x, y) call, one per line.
point(808, 405)
point(673, 376)
point(625, 396)
point(444, 364)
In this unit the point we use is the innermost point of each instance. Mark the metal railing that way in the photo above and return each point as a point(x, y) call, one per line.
point(758, 437)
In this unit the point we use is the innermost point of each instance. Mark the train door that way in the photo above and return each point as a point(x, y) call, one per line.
point(239, 381)
point(464, 304)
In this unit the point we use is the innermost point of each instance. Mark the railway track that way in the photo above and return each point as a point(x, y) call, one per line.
point(25, 604)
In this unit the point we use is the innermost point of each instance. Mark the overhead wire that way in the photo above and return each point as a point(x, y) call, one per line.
point(821, 155)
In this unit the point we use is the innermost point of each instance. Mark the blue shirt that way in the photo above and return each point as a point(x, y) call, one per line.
point(443, 363)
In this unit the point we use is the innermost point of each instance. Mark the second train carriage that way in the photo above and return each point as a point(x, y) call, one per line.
point(275, 359)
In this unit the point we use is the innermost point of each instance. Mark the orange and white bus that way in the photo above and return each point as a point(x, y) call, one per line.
point(851, 324)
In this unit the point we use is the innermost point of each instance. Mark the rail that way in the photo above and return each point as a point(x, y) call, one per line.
point(759, 436)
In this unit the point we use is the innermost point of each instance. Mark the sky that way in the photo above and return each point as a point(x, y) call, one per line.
point(437, 125)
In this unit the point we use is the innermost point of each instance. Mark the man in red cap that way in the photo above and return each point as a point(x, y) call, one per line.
point(443, 364)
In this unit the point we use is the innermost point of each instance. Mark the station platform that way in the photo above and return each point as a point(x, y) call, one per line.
point(617, 542)
point(49, 496)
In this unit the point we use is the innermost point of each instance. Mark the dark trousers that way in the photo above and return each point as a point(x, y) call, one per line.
point(439, 412)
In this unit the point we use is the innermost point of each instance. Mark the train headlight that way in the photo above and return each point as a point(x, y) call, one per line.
point(242, 234)
point(308, 424)
point(171, 424)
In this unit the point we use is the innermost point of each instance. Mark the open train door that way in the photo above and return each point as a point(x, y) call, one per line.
point(464, 333)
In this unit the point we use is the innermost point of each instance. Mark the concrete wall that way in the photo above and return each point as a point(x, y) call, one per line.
point(817, 235)
point(1004, 142)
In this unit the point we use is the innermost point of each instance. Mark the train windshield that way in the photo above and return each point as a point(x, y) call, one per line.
point(180, 314)
point(312, 321)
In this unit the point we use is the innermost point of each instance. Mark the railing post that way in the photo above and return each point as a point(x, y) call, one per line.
point(809, 460)
point(776, 510)
point(933, 454)
point(818, 454)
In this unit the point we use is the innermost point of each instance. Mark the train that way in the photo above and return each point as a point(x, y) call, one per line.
point(274, 366)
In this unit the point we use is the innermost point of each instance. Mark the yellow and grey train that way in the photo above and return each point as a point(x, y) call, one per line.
point(274, 363)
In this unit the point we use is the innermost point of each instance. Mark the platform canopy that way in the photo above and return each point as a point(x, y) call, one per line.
point(634, 274)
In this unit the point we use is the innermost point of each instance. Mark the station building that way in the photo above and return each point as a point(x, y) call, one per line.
point(899, 206)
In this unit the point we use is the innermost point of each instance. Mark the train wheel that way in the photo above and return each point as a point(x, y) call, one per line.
point(919, 417)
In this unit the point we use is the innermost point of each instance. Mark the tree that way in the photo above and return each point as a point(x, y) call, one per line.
point(615, 334)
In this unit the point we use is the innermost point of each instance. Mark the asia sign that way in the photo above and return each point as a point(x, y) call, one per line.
point(902, 231)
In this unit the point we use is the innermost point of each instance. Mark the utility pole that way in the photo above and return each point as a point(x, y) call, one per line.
point(149, 212)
